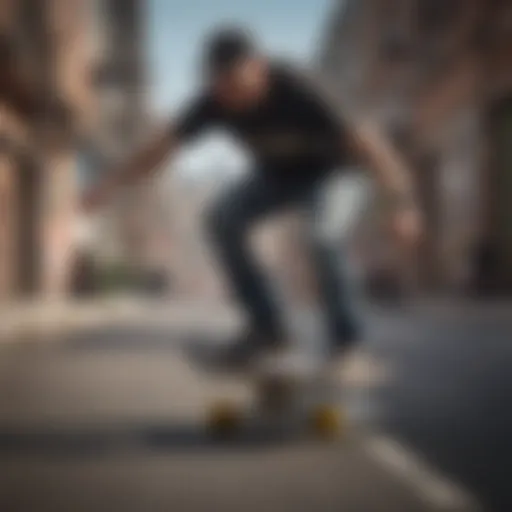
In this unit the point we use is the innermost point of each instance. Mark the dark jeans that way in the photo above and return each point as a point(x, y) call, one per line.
point(228, 222)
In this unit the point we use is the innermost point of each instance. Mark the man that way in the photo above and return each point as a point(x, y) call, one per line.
point(297, 140)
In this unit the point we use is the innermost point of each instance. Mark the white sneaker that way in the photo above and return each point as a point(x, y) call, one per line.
point(356, 367)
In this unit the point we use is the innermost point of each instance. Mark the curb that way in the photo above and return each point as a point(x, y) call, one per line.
point(30, 322)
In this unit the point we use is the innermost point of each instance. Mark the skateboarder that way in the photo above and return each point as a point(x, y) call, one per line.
point(297, 138)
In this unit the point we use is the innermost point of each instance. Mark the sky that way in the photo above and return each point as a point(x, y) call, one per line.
point(175, 28)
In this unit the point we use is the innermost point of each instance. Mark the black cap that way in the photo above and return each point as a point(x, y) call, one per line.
point(225, 47)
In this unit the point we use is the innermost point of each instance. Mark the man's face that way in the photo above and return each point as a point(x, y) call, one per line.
point(243, 85)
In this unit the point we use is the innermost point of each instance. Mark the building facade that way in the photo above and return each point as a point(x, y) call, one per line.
point(72, 84)
point(436, 76)
point(123, 125)
point(46, 103)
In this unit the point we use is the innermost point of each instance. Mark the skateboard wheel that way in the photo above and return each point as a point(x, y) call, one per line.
point(326, 422)
point(224, 419)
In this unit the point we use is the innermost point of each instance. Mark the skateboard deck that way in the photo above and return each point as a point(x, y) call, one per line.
point(294, 397)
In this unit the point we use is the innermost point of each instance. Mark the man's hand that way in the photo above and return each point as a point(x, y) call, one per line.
point(93, 199)
point(407, 226)
point(394, 176)
point(141, 164)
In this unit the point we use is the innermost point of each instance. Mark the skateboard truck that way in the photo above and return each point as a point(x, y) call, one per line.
point(281, 405)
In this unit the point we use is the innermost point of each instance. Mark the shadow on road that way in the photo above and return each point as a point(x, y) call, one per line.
point(146, 339)
point(171, 437)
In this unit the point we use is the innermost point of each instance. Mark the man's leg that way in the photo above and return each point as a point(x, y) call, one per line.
point(333, 209)
point(228, 224)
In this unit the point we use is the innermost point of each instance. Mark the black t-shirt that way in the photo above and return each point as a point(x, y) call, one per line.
point(293, 134)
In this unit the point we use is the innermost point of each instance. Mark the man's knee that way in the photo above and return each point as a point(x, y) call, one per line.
point(325, 241)
point(220, 222)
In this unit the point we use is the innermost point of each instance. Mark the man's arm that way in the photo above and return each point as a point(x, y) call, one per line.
point(365, 141)
point(143, 163)
point(196, 116)
point(387, 165)
point(392, 173)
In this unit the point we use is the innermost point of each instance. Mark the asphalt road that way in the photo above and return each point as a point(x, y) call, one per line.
point(451, 392)
point(113, 420)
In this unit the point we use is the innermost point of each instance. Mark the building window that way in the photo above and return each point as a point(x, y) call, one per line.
point(89, 166)
point(31, 27)
point(31, 16)
point(395, 43)
point(402, 136)
point(98, 29)
point(437, 15)
point(394, 46)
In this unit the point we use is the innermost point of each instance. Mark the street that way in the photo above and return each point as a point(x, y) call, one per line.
point(154, 152)
point(113, 419)
point(451, 392)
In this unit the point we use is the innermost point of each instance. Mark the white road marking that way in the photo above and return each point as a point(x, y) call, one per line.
point(435, 489)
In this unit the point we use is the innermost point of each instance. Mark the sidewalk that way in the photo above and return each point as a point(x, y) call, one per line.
point(43, 319)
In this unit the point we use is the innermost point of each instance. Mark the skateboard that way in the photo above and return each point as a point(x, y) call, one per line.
point(285, 402)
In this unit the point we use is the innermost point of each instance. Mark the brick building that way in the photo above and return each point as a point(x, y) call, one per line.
point(71, 86)
point(46, 103)
point(123, 122)
point(437, 76)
